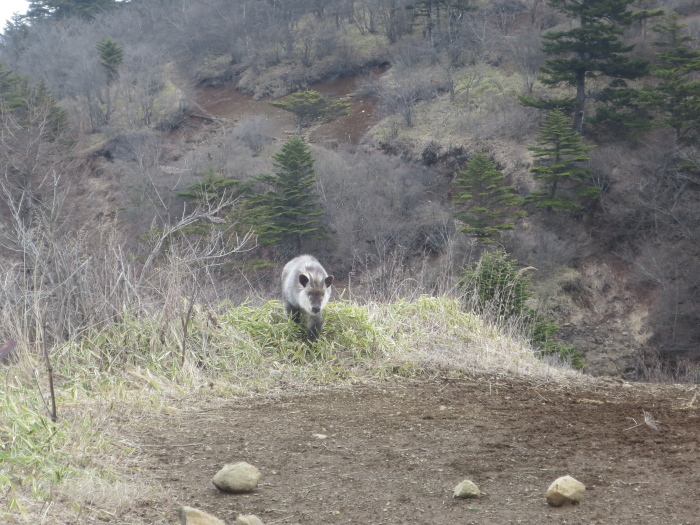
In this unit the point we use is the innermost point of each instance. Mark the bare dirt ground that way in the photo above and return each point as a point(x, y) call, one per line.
point(225, 105)
point(395, 450)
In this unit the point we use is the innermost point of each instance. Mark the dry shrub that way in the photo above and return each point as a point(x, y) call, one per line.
point(255, 131)
point(375, 205)
point(545, 244)
point(498, 116)
point(62, 284)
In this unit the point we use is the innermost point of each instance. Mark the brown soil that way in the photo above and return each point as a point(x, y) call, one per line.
point(395, 451)
point(224, 105)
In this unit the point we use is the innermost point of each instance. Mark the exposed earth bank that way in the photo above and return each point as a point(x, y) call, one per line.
point(394, 451)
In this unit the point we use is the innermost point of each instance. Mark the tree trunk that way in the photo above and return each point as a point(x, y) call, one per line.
point(580, 100)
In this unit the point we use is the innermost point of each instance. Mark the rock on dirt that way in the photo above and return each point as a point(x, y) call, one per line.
point(467, 489)
point(565, 490)
point(251, 519)
point(192, 516)
point(237, 477)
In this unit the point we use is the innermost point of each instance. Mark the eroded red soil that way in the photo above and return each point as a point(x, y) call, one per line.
point(223, 105)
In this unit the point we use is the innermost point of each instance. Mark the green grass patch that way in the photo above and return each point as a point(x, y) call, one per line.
point(37, 454)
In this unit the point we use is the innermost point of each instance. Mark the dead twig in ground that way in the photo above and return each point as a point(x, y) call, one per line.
point(689, 404)
point(139, 445)
point(648, 420)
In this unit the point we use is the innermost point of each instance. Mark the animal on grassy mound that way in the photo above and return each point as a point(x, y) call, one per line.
point(306, 288)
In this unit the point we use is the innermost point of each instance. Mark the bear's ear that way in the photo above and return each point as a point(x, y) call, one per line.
point(303, 280)
point(329, 280)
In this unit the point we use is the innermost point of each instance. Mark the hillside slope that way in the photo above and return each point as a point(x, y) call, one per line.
point(431, 84)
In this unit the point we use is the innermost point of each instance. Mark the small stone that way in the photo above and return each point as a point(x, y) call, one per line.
point(237, 477)
point(319, 436)
point(190, 516)
point(467, 489)
point(565, 490)
point(250, 519)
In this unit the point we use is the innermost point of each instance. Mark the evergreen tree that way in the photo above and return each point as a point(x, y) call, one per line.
point(676, 98)
point(24, 102)
point(210, 193)
point(111, 57)
point(12, 90)
point(288, 213)
point(560, 152)
point(311, 106)
point(490, 204)
point(59, 9)
point(592, 49)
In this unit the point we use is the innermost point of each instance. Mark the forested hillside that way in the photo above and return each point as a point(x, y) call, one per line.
point(152, 135)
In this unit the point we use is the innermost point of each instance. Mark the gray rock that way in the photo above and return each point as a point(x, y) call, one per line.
point(237, 477)
point(190, 516)
point(565, 490)
point(250, 519)
point(467, 489)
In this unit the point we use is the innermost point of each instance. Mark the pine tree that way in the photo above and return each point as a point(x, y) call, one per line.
point(289, 213)
point(676, 98)
point(490, 204)
point(311, 106)
point(560, 152)
point(211, 193)
point(12, 91)
point(111, 57)
point(60, 9)
point(25, 102)
point(592, 49)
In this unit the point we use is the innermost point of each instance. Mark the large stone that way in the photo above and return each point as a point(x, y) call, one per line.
point(565, 490)
point(467, 489)
point(191, 516)
point(250, 519)
point(237, 477)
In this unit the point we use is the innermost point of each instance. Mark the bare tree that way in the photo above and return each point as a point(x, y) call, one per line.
point(400, 93)
point(525, 51)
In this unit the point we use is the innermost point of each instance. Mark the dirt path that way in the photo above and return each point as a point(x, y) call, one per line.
point(395, 451)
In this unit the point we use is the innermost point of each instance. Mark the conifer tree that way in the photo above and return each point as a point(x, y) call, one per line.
point(59, 9)
point(676, 98)
point(21, 100)
point(490, 205)
point(592, 49)
point(11, 90)
point(560, 153)
point(288, 213)
point(111, 57)
point(311, 106)
point(216, 192)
